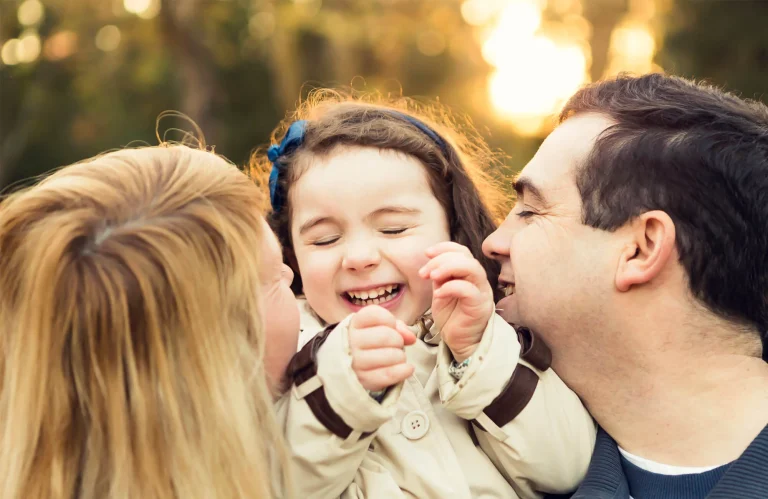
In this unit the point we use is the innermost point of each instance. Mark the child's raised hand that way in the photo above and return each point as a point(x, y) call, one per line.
point(377, 341)
point(462, 299)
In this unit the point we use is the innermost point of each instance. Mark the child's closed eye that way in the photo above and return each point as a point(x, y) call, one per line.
point(393, 230)
point(325, 241)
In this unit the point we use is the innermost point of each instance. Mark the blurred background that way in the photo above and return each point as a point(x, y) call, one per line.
point(79, 77)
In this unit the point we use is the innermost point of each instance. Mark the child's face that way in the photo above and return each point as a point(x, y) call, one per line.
point(281, 311)
point(362, 219)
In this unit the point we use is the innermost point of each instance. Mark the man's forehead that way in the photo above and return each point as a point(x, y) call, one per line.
point(563, 150)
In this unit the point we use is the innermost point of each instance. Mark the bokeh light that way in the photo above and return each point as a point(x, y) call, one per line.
point(479, 12)
point(235, 67)
point(262, 25)
point(108, 38)
point(9, 51)
point(431, 43)
point(540, 53)
point(28, 49)
point(60, 45)
point(632, 49)
point(24, 49)
point(533, 74)
point(146, 9)
point(30, 12)
point(531, 87)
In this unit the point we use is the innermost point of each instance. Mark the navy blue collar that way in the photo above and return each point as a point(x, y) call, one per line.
point(747, 477)
point(646, 484)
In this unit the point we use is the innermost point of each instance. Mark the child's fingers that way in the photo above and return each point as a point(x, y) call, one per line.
point(376, 337)
point(450, 266)
point(372, 315)
point(379, 379)
point(441, 261)
point(367, 360)
point(447, 246)
point(406, 334)
point(460, 290)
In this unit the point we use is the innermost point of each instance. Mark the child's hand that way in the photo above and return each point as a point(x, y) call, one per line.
point(377, 341)
point(462, 299)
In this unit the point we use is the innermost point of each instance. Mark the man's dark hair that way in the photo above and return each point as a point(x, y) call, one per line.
point(700, 155)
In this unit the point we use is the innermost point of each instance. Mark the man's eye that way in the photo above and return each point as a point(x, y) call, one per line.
point(525, 214)
point(326, 241)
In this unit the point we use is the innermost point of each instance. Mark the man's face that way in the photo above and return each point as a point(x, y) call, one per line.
point(560, 272)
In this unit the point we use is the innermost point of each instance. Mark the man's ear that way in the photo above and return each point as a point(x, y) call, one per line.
point(650, 248)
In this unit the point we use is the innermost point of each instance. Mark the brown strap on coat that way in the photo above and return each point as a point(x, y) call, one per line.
point(522, 384)
point(302, 368)
point(533, 349)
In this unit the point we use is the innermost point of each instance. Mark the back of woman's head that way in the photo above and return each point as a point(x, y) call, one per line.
point(456, 159)
point(131, 342)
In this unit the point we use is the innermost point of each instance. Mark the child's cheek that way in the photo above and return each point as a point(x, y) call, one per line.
point(318, 277)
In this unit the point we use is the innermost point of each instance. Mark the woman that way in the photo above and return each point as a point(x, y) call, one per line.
point(133, 350)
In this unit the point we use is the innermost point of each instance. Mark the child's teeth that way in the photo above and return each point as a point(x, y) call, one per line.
point(373, 296)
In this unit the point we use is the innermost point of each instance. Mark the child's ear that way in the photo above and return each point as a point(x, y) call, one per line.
point(651, 245)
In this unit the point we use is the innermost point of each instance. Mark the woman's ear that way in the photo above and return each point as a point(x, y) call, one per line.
point(651, 246)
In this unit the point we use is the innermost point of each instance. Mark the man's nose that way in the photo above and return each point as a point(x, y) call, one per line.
point(497, 245)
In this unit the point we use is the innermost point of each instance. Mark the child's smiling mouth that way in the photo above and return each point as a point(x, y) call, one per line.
point(373, 296)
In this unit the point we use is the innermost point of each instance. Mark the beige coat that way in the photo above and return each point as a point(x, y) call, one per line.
point(421, 445)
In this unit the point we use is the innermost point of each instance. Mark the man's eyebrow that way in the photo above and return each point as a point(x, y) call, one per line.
point(524, 186)
point(312, 222)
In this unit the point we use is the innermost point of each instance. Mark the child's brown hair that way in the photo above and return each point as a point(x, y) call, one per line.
point(458, 165)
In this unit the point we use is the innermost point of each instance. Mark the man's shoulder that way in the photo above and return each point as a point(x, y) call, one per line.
point(747, 477)
point(605, 477)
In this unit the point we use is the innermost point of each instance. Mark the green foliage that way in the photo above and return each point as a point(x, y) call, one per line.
point(236, 66)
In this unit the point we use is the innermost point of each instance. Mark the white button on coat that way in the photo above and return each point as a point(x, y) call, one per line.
point(415, 425)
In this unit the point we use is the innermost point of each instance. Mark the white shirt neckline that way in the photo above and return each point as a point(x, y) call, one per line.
point(664, 469)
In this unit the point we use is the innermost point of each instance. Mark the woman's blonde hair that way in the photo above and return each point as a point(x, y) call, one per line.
point(131, 335)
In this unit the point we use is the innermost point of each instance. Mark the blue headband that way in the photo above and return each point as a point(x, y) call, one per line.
point(295, 136)
point(426, 130)
point(293, 139)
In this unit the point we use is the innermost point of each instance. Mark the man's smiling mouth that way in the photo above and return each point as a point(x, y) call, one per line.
point(508, 288)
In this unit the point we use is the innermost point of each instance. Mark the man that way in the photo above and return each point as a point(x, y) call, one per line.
point(638, 248)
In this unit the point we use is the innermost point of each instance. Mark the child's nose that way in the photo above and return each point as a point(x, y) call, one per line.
point(361, 257)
